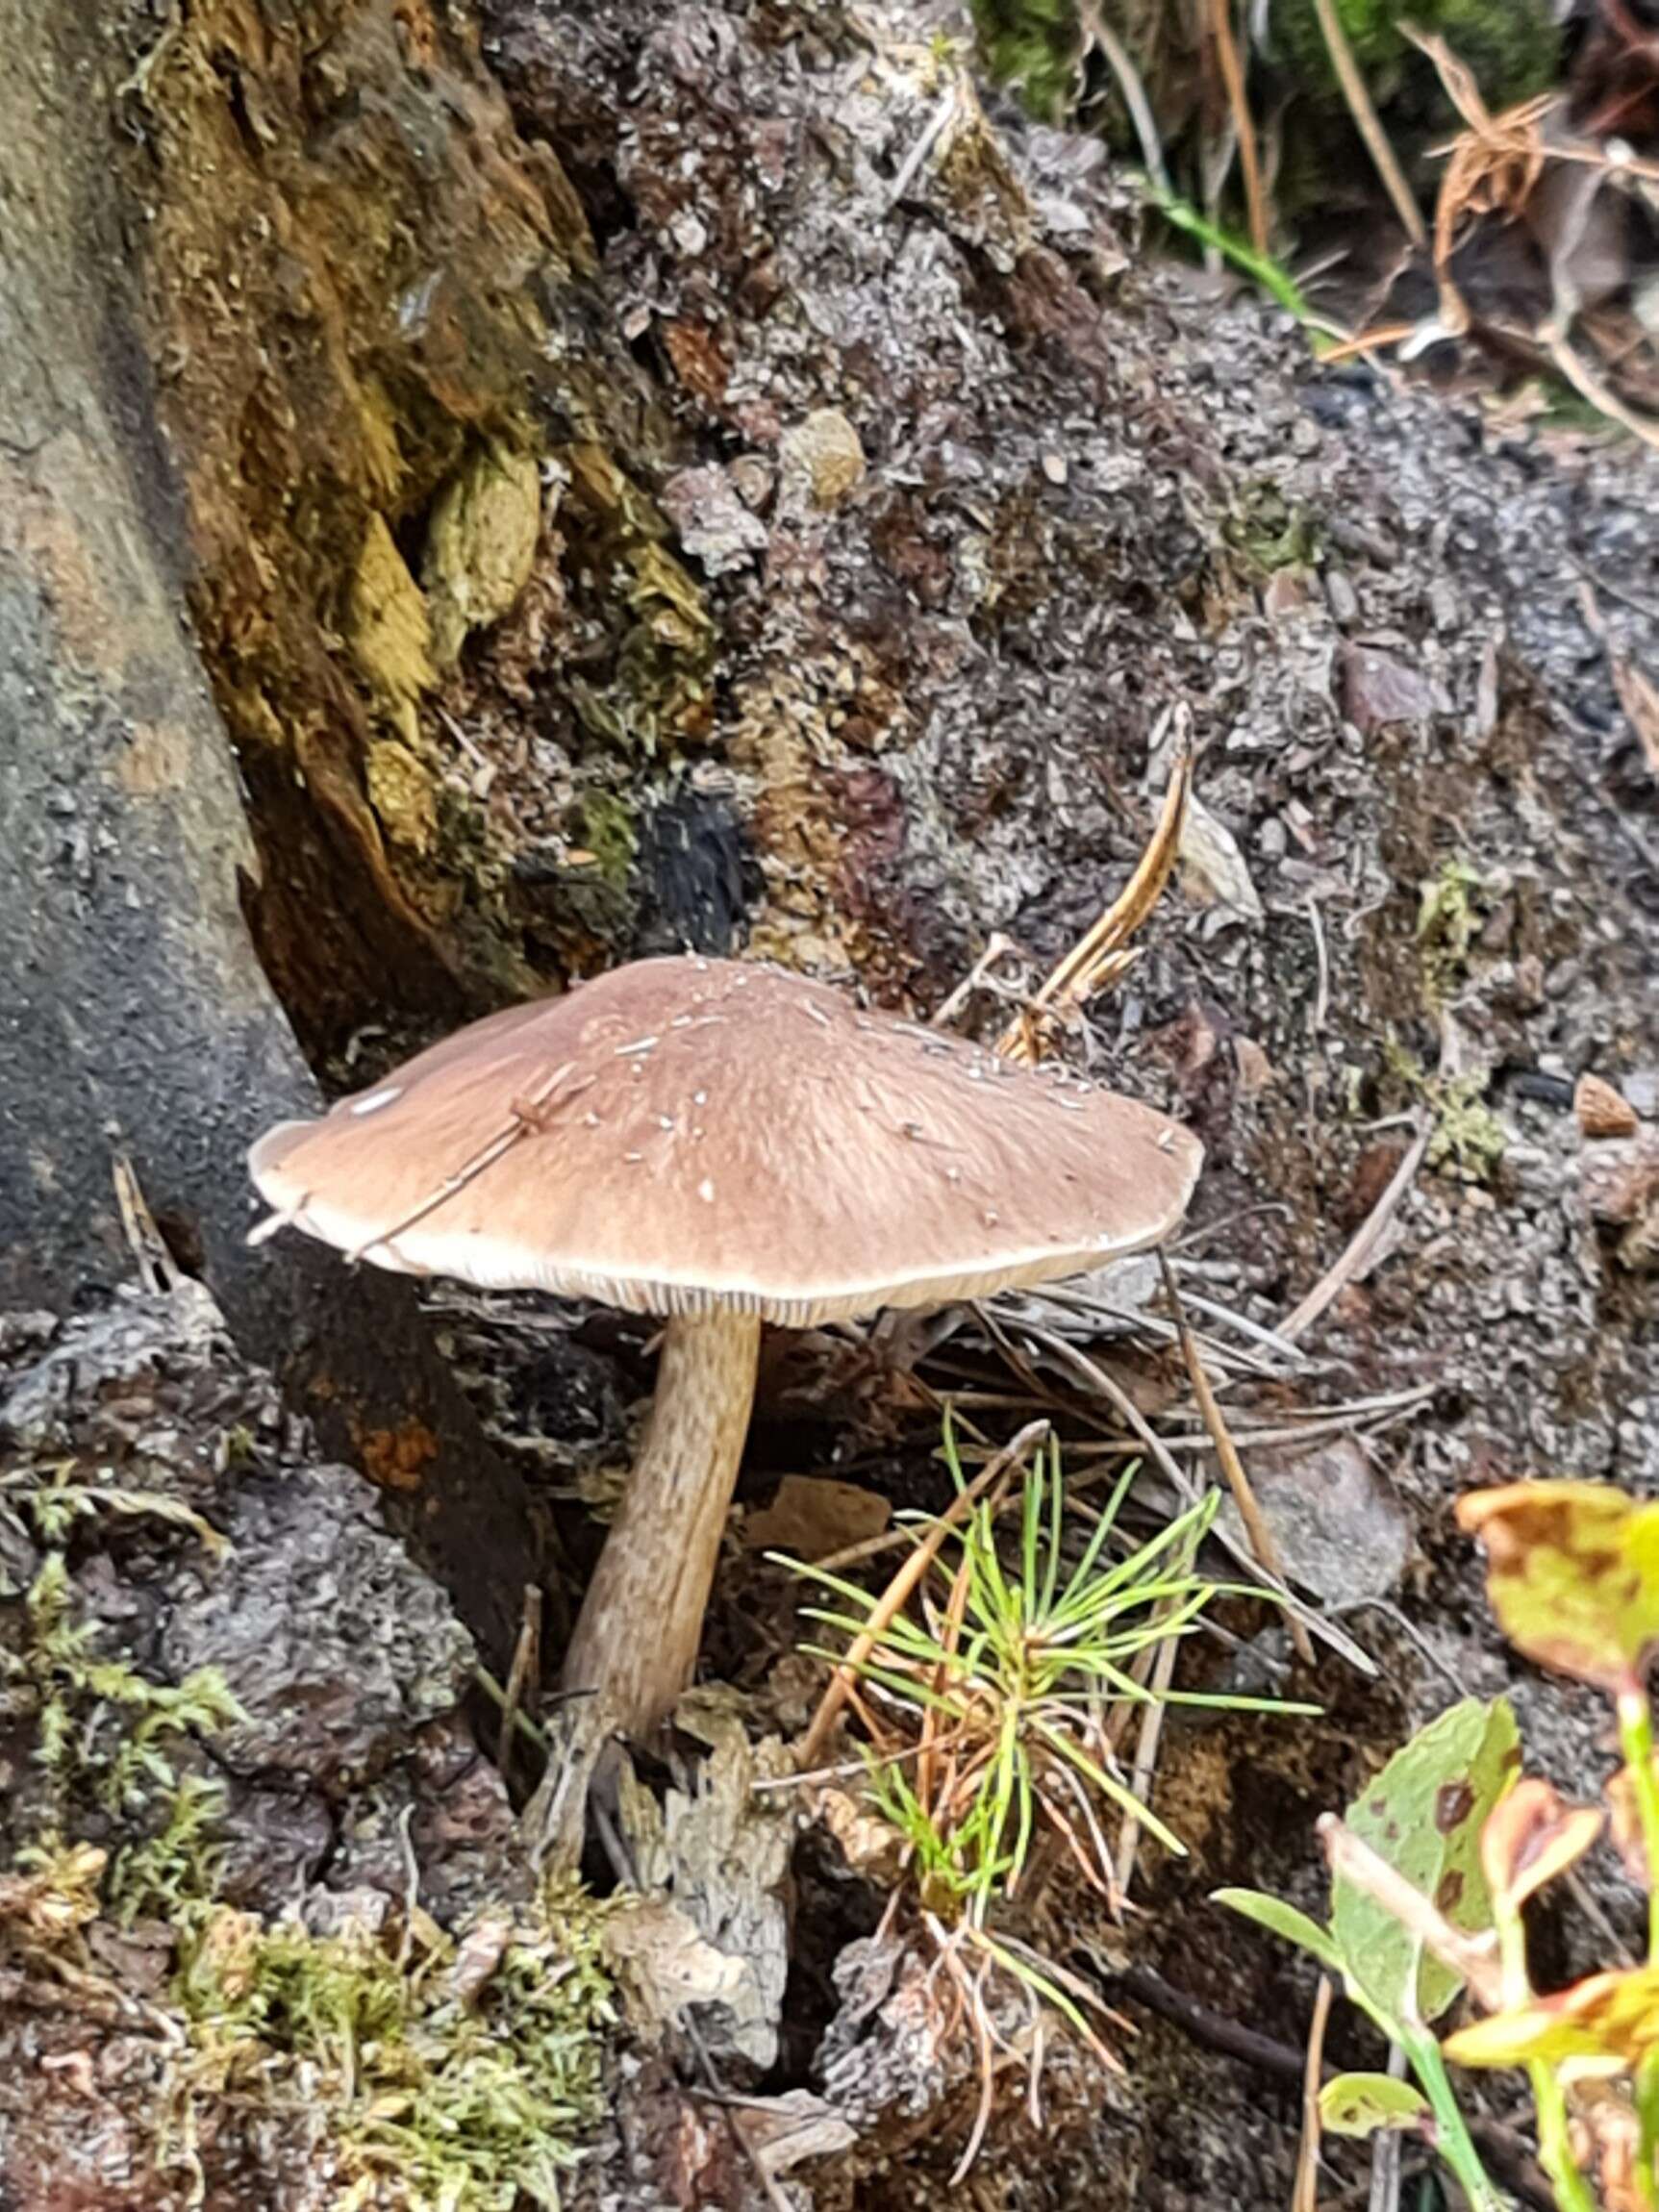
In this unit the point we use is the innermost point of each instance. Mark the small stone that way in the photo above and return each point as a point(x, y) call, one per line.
point(1272, 839)
point(715, 524)
point(1343, 599)
point(1378, 689)
point(823, 456)
point(688, 231)
point(1054, 467)
point(1602, 1111)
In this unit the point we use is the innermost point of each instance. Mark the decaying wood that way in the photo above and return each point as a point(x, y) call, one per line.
point(134, 1012)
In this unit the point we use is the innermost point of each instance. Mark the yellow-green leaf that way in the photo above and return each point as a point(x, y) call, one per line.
point(1425, 1814)
point(1282, 1920)
point(1572, 1571)
point(1604, 2026)
point(1365, 2103)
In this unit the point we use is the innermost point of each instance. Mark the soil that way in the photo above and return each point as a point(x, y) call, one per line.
point(953, 513)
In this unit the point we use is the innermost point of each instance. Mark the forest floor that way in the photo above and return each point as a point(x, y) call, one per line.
point(989, 513)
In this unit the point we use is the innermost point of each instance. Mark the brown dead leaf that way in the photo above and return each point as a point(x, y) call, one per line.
point(812, 1517)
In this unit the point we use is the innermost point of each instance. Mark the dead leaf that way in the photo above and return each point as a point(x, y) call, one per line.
point(663, 1965)
point(1602, 1111)
point(869, 1844)
point(1600, 2028)
point(1532, 1836)
point(1213, 870)
point(812, 1517)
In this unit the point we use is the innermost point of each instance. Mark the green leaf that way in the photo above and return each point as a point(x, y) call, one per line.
point(1423, 1814)
point(1282, 1920)
point(1366, 2103)
point(1572, 1571)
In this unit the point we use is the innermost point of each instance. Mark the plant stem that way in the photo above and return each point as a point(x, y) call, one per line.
point(1573, 2192)
point(1636, 1739)
point(1647, 2124)
point(1452, 2139)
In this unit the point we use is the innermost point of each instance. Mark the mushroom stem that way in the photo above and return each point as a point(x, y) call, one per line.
point(635, 1641)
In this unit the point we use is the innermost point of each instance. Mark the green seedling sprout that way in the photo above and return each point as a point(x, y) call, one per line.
point(990, 1697)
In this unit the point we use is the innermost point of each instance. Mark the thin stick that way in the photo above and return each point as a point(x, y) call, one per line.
point(1250, 162)
point(1134, 93)
point(1146, 1761)
point(905, 1581)
point(1305, 2195)
point(526, 1659)
point(1256, 1529)
point(1509, 2155)
point(1355, 1260)
point(526, 1118)
point(998, 947)
point(1366, 122)
point(1386, 2146)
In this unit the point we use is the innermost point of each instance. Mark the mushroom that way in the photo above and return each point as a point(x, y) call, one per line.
point(724, 1146)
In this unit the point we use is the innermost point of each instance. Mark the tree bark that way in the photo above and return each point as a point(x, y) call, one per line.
point(134, 1012)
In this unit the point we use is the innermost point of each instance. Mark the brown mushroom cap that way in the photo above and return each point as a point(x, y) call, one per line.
point(686, 1135)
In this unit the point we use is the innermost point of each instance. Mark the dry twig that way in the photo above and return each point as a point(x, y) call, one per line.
point(1238, 102)
point(1305, 2196)
point(1367, 123)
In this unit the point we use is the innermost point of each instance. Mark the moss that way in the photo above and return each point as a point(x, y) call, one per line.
point(441, 2073)
point(1511, 47)
point(1270, 531)
point(1466, 1139)
point(451, 2074)
point(1451, 908)
point(1035, 45)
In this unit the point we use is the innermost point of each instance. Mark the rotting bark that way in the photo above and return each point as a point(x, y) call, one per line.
point(134, 1012)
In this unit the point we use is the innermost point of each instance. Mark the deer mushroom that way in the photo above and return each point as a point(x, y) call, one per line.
point(723, 1146)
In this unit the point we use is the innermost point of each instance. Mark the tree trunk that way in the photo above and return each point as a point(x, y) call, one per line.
point(134, 1012)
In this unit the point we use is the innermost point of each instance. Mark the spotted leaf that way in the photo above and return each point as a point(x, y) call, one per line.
point(1572, 1571)
point(1367, 2103)
point(1425, 1814)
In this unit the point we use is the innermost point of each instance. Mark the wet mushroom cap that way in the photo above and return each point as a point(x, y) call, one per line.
point(684, 1136)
